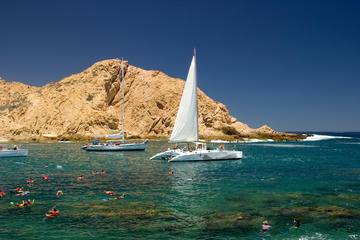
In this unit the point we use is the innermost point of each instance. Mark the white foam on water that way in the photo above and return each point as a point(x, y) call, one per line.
point(317, 236)
point(246, 140)
point(316, 137)
point(59, 167)
point(219, 141)
point(254, 140)
point(284, 145)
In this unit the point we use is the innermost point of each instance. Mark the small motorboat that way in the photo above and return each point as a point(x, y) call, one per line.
point(13, 152)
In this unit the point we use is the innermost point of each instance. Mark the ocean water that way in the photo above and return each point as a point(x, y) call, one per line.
point(317, 182)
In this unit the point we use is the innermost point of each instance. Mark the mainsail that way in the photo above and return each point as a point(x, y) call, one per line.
point(186, 123)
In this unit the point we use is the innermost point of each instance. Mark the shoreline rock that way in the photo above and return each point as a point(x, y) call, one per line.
point(88, 104)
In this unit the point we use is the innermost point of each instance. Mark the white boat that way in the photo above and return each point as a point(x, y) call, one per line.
point(13, 152)
point(186, 129)
point(117, 145)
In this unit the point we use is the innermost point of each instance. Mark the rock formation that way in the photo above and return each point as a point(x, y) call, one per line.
point(88, 104)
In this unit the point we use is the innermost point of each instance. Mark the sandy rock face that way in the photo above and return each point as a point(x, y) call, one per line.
point(89, 104)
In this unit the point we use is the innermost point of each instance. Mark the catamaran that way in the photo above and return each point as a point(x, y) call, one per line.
point(186, 129)
point(13, 152)
point(117, 145)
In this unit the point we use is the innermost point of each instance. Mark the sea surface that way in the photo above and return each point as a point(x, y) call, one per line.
point(316, 182)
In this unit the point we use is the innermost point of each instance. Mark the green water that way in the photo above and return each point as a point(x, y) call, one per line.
point(315, 182)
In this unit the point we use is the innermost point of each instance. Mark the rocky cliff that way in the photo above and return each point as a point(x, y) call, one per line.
point(88, 104)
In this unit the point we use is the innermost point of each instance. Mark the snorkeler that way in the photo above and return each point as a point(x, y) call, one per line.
point(122, 196)
point(81, 177)
point(28, 202)
point(52, 213)
point(296, 223)
point(109, 192)
point(2, 193)
point(59, 193)
point(265, 226)
point(115, 198)
point(30, 181)
point(102, 172)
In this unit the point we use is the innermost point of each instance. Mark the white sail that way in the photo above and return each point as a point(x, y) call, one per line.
point(186, 124)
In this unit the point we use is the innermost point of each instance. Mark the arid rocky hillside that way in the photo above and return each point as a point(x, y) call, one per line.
point(88, 104)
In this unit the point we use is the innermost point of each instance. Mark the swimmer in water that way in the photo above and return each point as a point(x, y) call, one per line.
point(265, 226)
point(54, 211)
point(20, 190)
point(109, 192)
point(170, 172)
point(30, 181)
point(59, 193)
point(46, 177)
point(81, 177)
point(296, 223)
point(2, 193)
point(121, 197)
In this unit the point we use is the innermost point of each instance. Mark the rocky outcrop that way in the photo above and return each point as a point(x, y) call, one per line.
point(88, 104)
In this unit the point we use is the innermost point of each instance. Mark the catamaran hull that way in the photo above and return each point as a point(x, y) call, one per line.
point(121, 147)
point(203, 155)
point(207, 156)
point(14, 153)
point(166, 155)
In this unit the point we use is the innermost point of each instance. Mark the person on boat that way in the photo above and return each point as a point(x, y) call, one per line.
point(296, 223)
point(96, 172)
point(103, 172)
point(81, 177)
point(265, 226)
point(221, 147)
point(190, 148)
point(59, 193)
point(15, 147)
point(175, 146)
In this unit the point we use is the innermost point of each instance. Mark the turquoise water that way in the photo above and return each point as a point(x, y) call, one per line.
point(316, 182)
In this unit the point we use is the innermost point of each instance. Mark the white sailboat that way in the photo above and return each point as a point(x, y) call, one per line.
point(118, 145)
point(186, 128)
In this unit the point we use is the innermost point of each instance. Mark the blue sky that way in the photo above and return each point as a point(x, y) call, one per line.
point(293, 65)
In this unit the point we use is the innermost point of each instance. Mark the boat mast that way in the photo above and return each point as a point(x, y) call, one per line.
point(197, 107)
point(123, 94)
